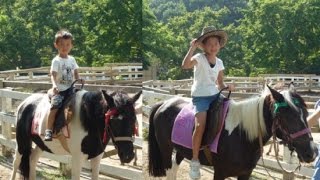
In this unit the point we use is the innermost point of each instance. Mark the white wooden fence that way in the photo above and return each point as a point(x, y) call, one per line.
point(110, 73)
point(303, 82)
point(245, 86)
point(288, 162)
point(9, 101)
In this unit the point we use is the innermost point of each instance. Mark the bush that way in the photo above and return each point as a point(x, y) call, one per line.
point(145, 133)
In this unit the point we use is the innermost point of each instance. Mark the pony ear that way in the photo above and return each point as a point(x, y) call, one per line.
point(108, 98)
point(136, 97)
point(292, 88)
point(276, 95)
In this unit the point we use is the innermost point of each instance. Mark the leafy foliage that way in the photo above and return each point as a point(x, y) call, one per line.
point(264, 36)
point(104, 31)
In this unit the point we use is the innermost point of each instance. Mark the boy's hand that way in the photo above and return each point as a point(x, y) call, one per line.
point(55, 90)
point(81, 81)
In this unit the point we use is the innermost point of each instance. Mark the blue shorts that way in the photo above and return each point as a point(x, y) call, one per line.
point(57, 99)
point(202, 103)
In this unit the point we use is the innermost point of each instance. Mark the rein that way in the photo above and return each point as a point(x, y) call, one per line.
point(261, 142)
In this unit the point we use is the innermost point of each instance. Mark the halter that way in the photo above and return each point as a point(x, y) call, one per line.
point(108, 131)
point(289, 137)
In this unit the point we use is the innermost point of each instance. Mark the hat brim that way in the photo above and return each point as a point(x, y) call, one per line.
point(220, 33)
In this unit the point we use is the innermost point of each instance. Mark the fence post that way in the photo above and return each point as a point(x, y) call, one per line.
point(6, 105)
point(172, 91)
point(11, 76)
point(129, 73)
point(310, 83)
point(65, 169)
point(287, 158)
point(30, 73)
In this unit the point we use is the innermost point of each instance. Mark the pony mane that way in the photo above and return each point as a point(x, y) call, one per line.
point(124, 103)
point(288, 98)
point(248, 115)
point(91, 110)
point(121, 98)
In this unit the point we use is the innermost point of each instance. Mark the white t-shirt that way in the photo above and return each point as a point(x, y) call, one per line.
point(204, 77)
point(65, 70)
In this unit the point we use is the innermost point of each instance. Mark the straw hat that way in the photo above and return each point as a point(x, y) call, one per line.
point(212, 31)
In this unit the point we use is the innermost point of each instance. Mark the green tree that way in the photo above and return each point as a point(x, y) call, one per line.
point(281, 36)
point(104, 31)
point(158, 41)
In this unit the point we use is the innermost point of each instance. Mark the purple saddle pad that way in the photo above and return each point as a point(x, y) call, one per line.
point(184, 123)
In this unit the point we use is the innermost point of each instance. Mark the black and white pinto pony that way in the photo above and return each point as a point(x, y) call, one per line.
point(282, 115)
point(98, 117)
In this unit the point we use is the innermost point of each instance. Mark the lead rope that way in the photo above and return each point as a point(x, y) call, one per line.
point(277, 157)
point(261, 143)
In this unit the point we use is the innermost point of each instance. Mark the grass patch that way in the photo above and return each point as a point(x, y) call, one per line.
point(51, 175)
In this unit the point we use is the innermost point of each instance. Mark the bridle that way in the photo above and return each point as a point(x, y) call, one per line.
point(108, 130)
point(288, 138)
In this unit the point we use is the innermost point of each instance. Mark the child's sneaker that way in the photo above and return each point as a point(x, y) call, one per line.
point(48, 135)
point(194, 169)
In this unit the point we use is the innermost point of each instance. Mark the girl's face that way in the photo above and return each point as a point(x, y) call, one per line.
point(64, 47)
point(211, 46)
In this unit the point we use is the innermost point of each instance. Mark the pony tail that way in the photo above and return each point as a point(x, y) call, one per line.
point(156, 166)
point(24, 143)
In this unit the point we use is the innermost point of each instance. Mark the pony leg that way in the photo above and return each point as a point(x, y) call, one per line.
point(172, 172)
point(16, 163)
point(77, 162)
point(95, 167)
point(219, 174)
point(34, 157)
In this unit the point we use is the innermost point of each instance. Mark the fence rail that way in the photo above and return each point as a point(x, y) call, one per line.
point(245, 86)
point(303, 82)
point(111, 73)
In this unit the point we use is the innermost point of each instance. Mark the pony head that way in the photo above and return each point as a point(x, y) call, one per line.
point(289, 114)
point(121, 120)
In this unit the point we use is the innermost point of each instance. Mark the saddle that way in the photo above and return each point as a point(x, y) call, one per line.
point(65, 112)
point(214, 121)
point(183, 126)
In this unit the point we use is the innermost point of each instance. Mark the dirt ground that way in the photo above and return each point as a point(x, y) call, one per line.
point(259, 173)
point(48, 169)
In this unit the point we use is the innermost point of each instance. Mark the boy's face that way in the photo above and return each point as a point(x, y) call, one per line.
point(212, 46)
point(64, 46)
